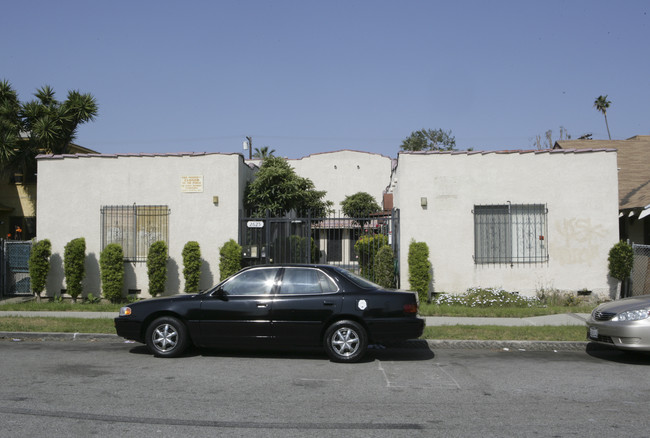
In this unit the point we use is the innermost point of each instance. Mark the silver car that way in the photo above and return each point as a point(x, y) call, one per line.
point(623, 324)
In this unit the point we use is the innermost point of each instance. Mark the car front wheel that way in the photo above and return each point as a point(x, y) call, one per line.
point(166, 337)
point(346, 341)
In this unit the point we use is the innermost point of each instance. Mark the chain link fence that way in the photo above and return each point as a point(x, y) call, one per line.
point(640, 276)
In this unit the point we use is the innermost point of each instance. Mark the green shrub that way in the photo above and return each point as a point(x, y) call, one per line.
point(111, 266)
point(367, 248)
point(74, 268)
point(621, 258)
point(39, 265)
point(229, 259)
point(385, 267)
point(192, 266)
point(419, 269)
point(157, 268)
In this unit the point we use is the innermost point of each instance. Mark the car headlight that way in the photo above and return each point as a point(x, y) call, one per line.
point(125, 311)
point(632, 315)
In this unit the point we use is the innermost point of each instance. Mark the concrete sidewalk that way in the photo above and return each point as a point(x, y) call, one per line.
point(560, 319)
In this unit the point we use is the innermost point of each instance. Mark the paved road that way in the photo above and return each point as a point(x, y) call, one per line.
point(80, 389)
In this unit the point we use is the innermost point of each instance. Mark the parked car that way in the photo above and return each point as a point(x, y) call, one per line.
point(624, 324)
point(288, 306)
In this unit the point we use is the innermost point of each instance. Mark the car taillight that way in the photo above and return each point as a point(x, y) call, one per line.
point(410, 309)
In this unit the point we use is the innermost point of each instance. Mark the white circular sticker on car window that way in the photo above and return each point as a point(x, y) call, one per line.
point(362, 304)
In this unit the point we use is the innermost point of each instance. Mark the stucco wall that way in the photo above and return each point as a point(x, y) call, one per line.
point(72, 190)
point(580, 190)
point(345, 173)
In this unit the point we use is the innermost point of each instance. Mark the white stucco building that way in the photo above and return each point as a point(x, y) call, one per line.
point(520, 220)
point(524, 221)
point(188, 197)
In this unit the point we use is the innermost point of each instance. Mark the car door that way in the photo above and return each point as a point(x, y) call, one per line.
point(239, 311)
point(305, 300)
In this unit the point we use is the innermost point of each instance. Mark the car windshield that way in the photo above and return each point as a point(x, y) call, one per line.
point(357, 280)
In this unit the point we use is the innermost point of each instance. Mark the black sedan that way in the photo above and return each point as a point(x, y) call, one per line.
point(288, 306)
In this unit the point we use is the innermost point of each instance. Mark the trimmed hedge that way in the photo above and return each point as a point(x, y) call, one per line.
point(367, 248)
point(229, 259)
point(621, 259)
point(385, 267)
point(74, 267)
point(157, 268)
point(419, 269)
point(39, 265)
point(111, 266)
point(192, 266)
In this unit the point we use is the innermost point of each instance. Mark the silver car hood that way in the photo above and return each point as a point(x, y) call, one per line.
point(631, 303)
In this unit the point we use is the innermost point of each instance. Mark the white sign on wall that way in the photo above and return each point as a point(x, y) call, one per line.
point(192, 184)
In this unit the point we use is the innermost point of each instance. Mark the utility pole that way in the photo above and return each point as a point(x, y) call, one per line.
point(250, 147)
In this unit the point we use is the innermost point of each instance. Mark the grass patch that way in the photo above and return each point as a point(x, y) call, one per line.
point(500, 333)
point(432, 309)
point(56, 325)
point(60, 306)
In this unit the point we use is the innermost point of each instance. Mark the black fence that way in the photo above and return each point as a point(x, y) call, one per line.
point(350, 243)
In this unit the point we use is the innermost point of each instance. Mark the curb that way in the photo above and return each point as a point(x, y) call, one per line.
point(440, 344)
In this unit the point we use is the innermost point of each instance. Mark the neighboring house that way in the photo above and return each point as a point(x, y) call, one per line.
point(522, 220)
point(526, 221)
point(340, 174)
point(633, 182)
point(18, 202)
point(135, 200)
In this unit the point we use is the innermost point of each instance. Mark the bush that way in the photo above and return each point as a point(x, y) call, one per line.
point(157, 268)
point(367, 248)
point(192, 266)
point(419, 269)
point(229, 259)
point(74, 266)
point(39, 265)
point(111, 266)
point(621, 258)
point(385, 267)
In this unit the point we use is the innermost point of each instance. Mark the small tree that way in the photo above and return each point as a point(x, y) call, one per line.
point(157, 268)
point(429, 140)
point(359, 205)
point(385, 267)
point(39, 265)
point(419, 269)
point(366, 248)
point(74, 268)
point(111, 265)
point(621, 260)
point(192, 266)
point(229, 259)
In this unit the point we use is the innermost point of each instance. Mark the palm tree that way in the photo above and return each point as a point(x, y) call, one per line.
point(43, 125)
point(263, 153)
point(601, 104)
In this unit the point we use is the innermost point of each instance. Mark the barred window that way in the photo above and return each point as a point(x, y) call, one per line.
point(510, 233)
point(135, 228)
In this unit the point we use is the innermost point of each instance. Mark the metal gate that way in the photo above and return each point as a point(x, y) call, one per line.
point(14, 267)
point(640, 275)
point(328, 240)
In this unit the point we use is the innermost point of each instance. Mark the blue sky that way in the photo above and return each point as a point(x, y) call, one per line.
point(304, 77)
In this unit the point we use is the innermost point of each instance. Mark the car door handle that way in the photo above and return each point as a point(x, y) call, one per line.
point(262, 305)
point(328, 303)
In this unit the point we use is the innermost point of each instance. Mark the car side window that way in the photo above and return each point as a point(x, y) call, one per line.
point(253, 282)
point(306, 281)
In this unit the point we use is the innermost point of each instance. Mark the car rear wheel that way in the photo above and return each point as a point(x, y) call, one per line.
point(346, 341)
point(166, 337)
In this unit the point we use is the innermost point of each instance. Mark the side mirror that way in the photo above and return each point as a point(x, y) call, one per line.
point(221, 294)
